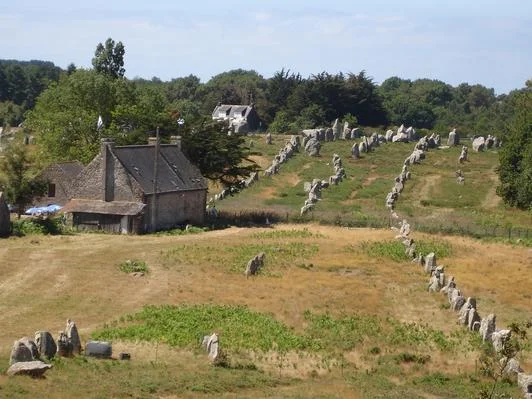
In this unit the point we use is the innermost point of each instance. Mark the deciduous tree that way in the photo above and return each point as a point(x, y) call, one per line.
point(109, 58)
point(18, 177)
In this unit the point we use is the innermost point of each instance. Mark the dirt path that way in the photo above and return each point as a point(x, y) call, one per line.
point(492, 200)
point(429, 182)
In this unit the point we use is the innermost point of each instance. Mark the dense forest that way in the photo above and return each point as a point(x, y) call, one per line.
point(286, 102)
point(21, 82)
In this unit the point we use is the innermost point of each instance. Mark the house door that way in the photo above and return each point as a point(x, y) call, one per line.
point(125, 225)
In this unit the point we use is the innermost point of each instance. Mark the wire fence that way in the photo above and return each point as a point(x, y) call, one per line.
point(253, 217)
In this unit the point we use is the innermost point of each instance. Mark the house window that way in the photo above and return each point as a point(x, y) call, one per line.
point(51, 190)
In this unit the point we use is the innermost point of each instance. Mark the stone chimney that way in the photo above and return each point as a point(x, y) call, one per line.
point(176, 140)
point(108, 172)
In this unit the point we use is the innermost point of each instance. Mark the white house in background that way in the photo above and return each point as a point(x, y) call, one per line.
point(242, 118)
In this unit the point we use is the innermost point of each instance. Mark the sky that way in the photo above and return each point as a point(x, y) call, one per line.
point(473, 41)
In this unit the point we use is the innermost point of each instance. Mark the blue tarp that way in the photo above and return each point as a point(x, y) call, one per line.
point(43, 210)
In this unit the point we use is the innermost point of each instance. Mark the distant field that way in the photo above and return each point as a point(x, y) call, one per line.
point(333, 314)
point(432, 199)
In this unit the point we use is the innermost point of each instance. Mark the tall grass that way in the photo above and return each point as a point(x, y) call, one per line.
point(394, 250)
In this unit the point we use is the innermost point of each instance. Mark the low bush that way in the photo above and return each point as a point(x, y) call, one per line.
point(22, 227)
point(395, 250)
point(133, 266)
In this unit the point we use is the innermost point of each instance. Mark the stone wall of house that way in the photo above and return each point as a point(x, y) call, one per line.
point(176, 208)
point(89, 184)
point(54, 175)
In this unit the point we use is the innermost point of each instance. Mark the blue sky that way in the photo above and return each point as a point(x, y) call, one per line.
point(487, 42)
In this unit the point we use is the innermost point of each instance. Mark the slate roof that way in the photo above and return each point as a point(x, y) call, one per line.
point(230, 110)
point(175, 172)
point(103, 207)
point(71, 169)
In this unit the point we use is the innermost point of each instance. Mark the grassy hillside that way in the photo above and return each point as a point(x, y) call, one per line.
point(432, 199)
point(335, 313)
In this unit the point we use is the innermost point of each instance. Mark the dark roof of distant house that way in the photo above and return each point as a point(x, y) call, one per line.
point(175, 172)
point(103, 207)
point(231, 109)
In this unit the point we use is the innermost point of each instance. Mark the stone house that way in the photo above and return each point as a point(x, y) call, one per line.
point(240, 118)
point(60, 178)
point(137, 189)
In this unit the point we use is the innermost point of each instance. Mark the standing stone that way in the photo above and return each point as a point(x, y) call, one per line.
point(99, 349)
point(5, 224)
point(479, 144)
point(411, 133)
point(362, 147)
point(71, 332)
point(312, 147)
point(430, 263)
point(463, 316)
point(211, 344)
point(329, 134)
point(356, 133)
point(473, 320)
point(489, 142)
point(512, 367)
point(337, 129)
point(355, 153)
point(45, 344)
point(524, 381)
point(389, 135)
point(453, 138)
point(487, 327)
point(450, 285)
point(499, 339)
point(252, 267)
point(458, 302)
point(452, 293)
point(23, 350)
point(463, 155)
point(268, 138)
point(64, 346)
point(346, 132)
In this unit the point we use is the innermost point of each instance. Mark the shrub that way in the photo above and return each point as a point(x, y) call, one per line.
point(24, 227)
point(133, 266)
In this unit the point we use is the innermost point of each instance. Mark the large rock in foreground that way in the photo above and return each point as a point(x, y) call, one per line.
point(34, 369)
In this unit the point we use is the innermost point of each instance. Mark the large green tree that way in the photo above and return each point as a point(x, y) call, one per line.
point(65, 116)
point(515, 169)
point(109, 58)
point(17, 176)
point(219, 156)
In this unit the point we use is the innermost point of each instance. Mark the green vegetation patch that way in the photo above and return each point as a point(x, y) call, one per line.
point(235, 258)
point(282, 234)
point(395, 250)
point(32, 226)
point(133, 266)
point(243, 329)
point(184, 326)
point(180, 232)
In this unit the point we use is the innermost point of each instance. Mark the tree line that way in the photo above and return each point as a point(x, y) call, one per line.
point(21, 82)
point(286, 102)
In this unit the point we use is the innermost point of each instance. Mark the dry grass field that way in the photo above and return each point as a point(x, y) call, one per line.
point(310, 270)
